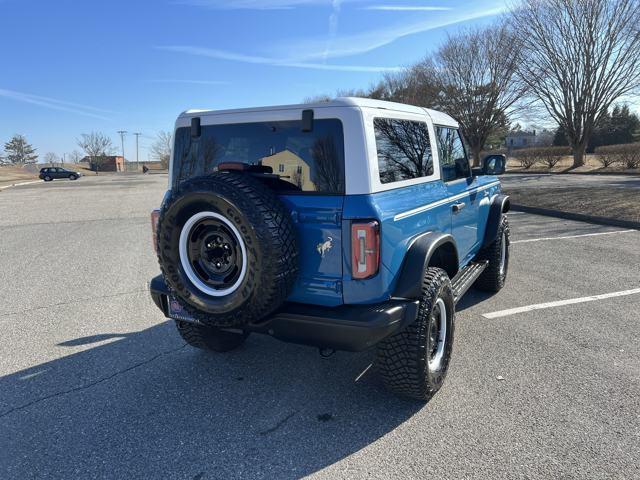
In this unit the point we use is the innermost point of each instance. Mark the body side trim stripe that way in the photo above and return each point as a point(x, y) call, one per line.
point(429, 206)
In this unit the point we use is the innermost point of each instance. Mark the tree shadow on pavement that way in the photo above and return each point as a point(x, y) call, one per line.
point(146, 405)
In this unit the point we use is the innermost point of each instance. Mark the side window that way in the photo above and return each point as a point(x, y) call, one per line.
point(453, 157)
point(404, 149)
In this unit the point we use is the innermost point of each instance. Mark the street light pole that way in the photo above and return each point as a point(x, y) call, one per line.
point(137, 134)
point(122, 134)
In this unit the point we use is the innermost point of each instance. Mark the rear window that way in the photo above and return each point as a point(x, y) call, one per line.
point(307, 161)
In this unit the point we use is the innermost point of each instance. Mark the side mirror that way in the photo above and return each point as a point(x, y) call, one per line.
point(492, 165)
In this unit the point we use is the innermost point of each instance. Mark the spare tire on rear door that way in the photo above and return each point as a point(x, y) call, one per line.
point(227, 248)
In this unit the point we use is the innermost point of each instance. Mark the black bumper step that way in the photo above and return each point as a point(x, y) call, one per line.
point(346, 327)
point(465, 278)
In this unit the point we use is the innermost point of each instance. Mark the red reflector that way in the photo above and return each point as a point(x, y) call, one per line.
point(155, 218)
point(365, 249)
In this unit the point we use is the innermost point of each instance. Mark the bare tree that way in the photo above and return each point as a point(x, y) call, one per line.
point(328, 177)
point(97, 146)
point(161, 148)
point(475, 72)
point(51, 158)
point(578, 57)
point(75, 156)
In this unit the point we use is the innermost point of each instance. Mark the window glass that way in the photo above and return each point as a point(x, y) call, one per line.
point(453, 157)
point(404, 149)
point(308, 161)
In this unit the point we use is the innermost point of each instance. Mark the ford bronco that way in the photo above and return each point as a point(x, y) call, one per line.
point(346, 225)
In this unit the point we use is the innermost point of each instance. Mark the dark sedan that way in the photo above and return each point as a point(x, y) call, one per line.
point(50, 173)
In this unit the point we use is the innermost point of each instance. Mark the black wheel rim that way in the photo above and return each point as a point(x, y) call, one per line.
point(214, 253)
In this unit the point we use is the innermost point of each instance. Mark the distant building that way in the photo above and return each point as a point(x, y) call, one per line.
point(527, 139)
point(112, 163)
point(291, 167)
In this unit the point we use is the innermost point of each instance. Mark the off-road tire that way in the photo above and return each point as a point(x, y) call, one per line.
point(493, 278)
point(266, 229)
point(403, 358)
point(210, 338)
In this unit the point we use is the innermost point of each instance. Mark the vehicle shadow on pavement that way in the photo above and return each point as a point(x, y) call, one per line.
point(146, 405)
point(471, 298)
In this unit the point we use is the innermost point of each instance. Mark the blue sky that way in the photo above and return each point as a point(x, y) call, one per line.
point(71, 66)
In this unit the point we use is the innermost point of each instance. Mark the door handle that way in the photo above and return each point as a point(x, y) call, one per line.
point(456, 207)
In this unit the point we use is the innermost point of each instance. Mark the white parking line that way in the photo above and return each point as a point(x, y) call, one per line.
point(571, 301)
point(529, 240)
point(21, 183)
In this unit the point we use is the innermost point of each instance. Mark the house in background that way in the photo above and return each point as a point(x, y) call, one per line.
point(527, 139)
point(112, 163)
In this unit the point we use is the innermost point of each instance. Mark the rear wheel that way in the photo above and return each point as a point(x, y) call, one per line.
point(47, 178)
point(497, 254)
point(210, 338)
point(414, 362)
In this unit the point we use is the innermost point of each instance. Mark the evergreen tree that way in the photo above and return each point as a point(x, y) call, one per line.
point(18, 150)
point(616, 127)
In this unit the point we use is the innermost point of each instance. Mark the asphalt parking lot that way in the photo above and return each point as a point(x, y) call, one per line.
point(96, 384)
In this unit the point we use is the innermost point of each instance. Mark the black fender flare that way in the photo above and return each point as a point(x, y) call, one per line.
point(499, 205)
point(417, 259)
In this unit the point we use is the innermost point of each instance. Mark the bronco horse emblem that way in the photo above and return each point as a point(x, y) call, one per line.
point(324, 247)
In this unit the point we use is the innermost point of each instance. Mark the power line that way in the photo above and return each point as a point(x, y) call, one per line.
point(137, 134)
point(122, 134)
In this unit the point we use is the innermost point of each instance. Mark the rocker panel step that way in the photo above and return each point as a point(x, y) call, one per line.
point(465, 278)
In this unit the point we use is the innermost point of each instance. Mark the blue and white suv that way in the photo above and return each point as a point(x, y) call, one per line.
point(347, 225)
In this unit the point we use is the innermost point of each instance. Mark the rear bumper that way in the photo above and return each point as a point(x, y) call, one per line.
point(347, 327)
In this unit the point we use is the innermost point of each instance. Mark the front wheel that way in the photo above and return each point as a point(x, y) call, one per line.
point(497, 254)
point(210, 338)
point(414, 362)
point(73, 177)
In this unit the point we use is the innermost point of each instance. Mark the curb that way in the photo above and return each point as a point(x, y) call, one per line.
point(21, 183)
point(576, 216)
point(538, 172)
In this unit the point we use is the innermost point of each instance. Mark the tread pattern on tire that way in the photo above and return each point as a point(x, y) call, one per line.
point(402, 358)
point(490, 280)
point(280, 258)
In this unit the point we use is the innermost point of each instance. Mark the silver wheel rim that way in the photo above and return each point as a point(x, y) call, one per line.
point(436, 360)
point(186, 264)
point(503, 253)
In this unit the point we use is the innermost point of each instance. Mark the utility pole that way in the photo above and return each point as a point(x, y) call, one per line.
point(122, 134)
point(137, 134)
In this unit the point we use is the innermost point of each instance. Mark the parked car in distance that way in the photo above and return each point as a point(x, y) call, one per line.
point(50, 173)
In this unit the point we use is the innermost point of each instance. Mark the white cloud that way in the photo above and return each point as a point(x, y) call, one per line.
point(305, 50)
point(238, 57)
point(333, 27)
point(190, 82)
point(252, 4)
point(54, 104)
point(406, 8)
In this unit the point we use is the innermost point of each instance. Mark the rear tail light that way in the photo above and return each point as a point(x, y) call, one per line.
point(155, 218)
point(365, 249)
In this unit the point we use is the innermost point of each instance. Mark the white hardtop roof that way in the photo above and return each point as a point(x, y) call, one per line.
point(436, 117)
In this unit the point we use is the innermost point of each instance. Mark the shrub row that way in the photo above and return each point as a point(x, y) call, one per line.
point(549, 156)
point(626, 154)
